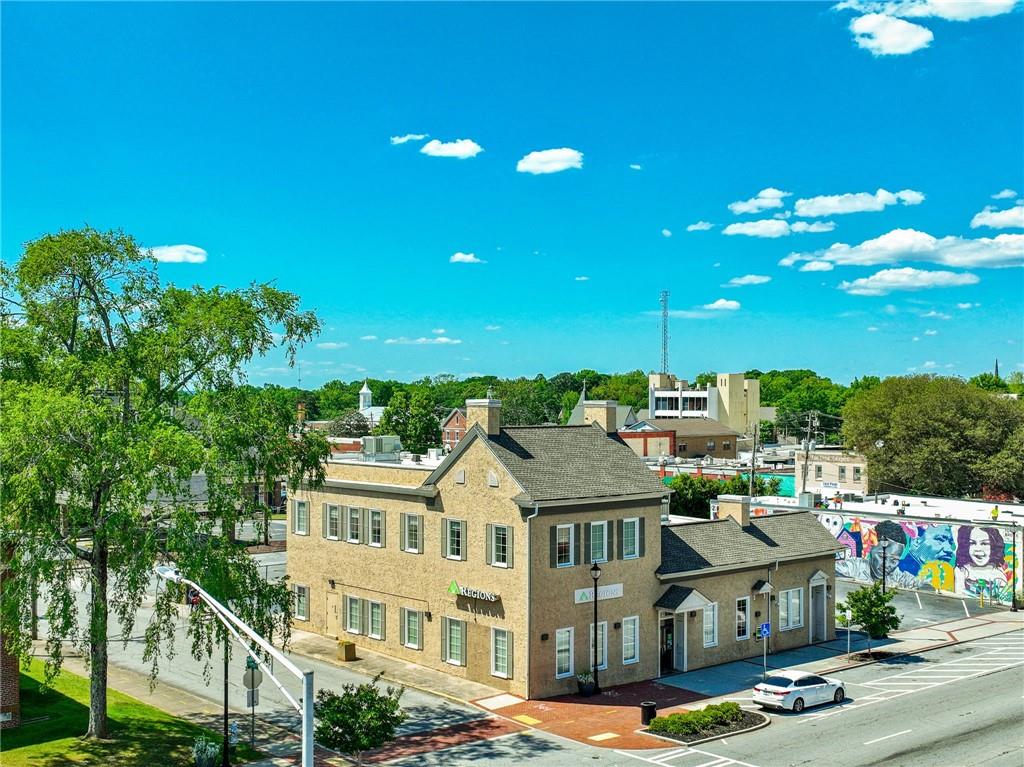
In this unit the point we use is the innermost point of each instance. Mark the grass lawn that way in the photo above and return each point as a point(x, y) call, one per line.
point(140, 734)
point(282, 517)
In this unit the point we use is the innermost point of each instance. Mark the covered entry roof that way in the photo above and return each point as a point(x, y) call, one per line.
point(681, 598)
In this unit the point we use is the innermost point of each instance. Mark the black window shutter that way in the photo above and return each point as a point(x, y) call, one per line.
point(619, 525)
point(553, 545)
point(586, 543)
point(640, 537)
point(609, 545)
point(576, 535)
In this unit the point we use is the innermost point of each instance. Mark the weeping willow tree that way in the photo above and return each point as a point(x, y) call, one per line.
point(101, 443)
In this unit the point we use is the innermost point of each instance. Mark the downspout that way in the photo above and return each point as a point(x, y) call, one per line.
point(529, 593)
point(768, 596)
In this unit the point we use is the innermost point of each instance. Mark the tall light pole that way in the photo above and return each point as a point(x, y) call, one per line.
point(595, 573)
point(1013, 572)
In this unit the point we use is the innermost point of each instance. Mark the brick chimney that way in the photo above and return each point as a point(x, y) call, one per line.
point(735, 507)
point(486, 412)
point(603, 412)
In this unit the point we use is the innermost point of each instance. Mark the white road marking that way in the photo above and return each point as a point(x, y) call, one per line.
point(665, 760)
point(886, 737)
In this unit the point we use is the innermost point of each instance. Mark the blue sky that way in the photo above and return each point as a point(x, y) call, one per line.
point(260, 135)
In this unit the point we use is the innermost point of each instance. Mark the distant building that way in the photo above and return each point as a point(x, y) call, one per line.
point(681, 438)
point(734, 401)
point(832, 471)
point(625, 415)
point(453, 428)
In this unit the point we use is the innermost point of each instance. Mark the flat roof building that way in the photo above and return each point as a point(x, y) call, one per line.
point(734, 400)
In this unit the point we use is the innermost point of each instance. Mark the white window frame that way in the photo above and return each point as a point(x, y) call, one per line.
point(370, 632)
point(713, 624)
point(331, 507)
point(448, 523)
point(817, 471)
point(631, 628)
point(369, 522)
point(572, 545)
point(569, 635)
point(418, 644)
point(410, 521)
point(349, 601)
point(786, 596)
point(746, 615)
point(494, 545)
point(711, 445)
point(635, 522)
point(358, 512)
point(296, 588)
point(604, 542)
point(857, 473)
point(304, 506)
point(602, 650)
point(842, 473)
point(494, 655)
point(462, 642)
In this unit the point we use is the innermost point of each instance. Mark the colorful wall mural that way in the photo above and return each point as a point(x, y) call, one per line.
point(969, 560)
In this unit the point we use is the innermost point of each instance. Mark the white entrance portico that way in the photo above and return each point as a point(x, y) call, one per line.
point(673, 608)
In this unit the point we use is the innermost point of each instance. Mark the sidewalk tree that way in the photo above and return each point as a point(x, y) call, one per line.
point(360, 719)
point(97, 454)
point(352, 424)
point(872, 610)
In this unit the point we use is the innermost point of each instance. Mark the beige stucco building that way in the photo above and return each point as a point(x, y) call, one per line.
point(480, 564)
point(832, 471)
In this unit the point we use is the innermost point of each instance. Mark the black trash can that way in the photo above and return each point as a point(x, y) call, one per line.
point(648, 710)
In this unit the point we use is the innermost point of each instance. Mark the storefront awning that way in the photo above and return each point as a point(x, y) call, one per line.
point(681, 599)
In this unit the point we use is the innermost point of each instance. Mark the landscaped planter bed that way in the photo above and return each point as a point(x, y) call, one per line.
point(748, 720)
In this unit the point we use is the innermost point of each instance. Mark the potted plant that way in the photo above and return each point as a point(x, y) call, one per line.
point(585, 682)
point(346, 649)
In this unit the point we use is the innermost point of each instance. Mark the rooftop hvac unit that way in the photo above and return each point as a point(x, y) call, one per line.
point(434, 453)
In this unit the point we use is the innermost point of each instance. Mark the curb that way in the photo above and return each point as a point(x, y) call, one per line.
point(690, 743)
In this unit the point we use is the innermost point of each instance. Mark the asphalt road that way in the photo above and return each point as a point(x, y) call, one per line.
point(922, 608)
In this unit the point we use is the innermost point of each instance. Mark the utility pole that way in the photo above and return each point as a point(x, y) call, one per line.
point(753, 458)
point(812, 422)
point(664, 331)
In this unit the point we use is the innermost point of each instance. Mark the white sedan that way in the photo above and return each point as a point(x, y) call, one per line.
point(794, 690)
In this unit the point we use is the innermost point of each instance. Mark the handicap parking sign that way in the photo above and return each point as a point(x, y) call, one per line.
point(764, 630)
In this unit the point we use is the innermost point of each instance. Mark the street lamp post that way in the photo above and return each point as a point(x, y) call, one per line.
point(595, 573)
point(1013, 572)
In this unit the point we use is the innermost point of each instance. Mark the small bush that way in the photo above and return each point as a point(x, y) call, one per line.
point(697, 722)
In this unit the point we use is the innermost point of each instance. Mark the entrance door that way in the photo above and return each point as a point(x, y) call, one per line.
point(667, 645)
point(333, 622)
point(818, 613)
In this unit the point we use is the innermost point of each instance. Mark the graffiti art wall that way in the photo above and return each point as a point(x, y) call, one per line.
point(969, 560)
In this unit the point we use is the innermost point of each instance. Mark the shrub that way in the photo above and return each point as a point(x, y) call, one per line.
point(697, 722)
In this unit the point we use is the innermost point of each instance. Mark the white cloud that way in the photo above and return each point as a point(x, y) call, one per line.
point(872, 329)
point(888, 36)
point(395, 140)
point(766, 198)
point(460, 149)
point(492, 328)
point(367, 338)
point(915, 338)
point(700, 226)
point(1000, 219)
point(634, 166)
point(932, 314)
point(1003, 250)
point(666, 232)
point(581, 278)
point(749, 279)
point(723, 305)
point(967, 305)
point(768, 227)
point(177, 254)
point(438, 331)
point(444, 340)
point(950, 10)
point(888, 280)
point(1006, 194)
point(931, 332)
point(856, 202)
point(332, 345)
point(929, 364)
point(465, 258)
point(800, 227)
point(817, 266)
point(550, 161)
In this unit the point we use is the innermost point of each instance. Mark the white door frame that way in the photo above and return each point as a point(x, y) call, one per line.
point(818, 579)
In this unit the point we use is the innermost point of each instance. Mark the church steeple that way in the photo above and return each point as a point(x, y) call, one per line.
point(365, 397)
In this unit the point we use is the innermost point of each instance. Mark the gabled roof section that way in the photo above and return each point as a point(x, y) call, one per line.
point(723, 543)
point(686, 427)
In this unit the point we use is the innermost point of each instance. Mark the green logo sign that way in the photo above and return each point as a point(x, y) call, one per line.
point(462, 591)
point(453, 587)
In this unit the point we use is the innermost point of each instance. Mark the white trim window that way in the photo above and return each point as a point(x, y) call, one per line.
point(742, 618)
point(412, 629)
point(564, 546)
point(564, 653)
point(791, 609)
point(412, 533)
point(375, 629)
point(333, 522)
point(376, 528)
point(499, 545)
point(454, 539)
point(630, 640)
point(355, 519)
point(598, 541)
point(631, 538)
point(500, 651)
point(300, 518)
point(301, 594)
point(454, 641)
point(602, 645)
point(711, 625)
point(353, 617)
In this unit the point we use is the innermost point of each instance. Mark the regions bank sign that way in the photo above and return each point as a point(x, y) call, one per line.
point(463, 591)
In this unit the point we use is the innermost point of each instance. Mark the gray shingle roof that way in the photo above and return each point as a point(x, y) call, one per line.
point(563, 462)
point(722, 542)
point(673, 597)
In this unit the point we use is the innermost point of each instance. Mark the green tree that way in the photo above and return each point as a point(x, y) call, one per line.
point(358, 720)
point(626, 388)
point(766, 432)
point(988, 382)
point(424, 429)
point(706, 378)
point(872, 610)
point(1004, 471)
point(96, 452)
point(1015, 382)
point(352, 424)
point(929, 435)
point(395, 418)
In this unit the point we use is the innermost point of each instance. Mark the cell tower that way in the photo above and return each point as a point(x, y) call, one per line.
point(664, 331)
